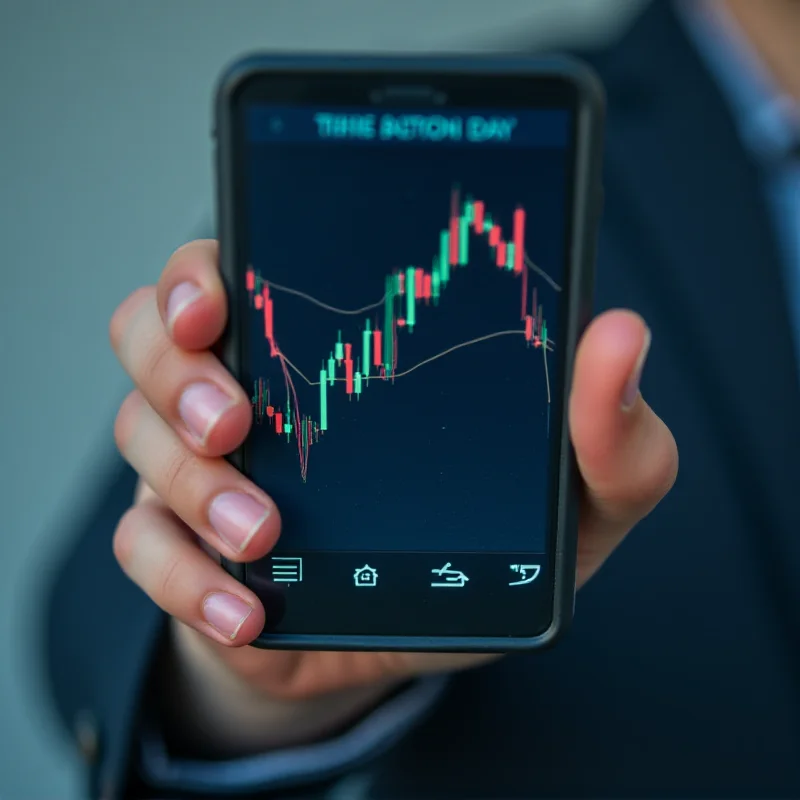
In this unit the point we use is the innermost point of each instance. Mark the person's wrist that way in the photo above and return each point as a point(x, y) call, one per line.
point(216, 713)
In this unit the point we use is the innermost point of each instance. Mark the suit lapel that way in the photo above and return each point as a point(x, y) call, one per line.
point(697, 201)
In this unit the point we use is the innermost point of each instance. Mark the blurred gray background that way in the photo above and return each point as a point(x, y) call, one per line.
point(104, 169)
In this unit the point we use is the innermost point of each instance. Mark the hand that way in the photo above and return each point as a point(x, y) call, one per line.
point(187, 412)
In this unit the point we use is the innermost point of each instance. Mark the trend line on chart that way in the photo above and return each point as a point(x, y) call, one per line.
point(406, 291)
point(378, 303)
point(476, 340)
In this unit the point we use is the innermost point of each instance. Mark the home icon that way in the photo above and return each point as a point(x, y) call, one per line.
point(366, 576)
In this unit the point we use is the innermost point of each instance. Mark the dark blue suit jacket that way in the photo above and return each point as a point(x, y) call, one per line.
point(681, 676)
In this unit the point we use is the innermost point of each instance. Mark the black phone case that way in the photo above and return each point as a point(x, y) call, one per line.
point(586, 213)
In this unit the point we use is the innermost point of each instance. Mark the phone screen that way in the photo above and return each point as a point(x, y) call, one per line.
point(402, 288)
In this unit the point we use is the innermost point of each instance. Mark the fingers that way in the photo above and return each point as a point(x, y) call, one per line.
point(626, 454)
point(191, 391)
point(208, 494)
point(191, 296)
point(157, 552)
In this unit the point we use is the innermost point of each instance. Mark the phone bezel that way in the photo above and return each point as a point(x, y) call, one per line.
point(463, 81)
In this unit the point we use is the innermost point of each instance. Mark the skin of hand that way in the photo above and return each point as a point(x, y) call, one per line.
point(187, 412)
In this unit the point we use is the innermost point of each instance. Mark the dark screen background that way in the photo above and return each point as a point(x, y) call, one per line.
point(455, 456)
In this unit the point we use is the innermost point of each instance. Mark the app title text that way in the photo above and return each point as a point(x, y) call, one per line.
point(415, 127)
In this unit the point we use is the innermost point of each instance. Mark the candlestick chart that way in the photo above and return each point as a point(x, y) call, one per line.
point(366, 348)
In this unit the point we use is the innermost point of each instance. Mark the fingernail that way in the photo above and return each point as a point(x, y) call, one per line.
point(631, 391)
point(226, 613)
point(181, 297)
point(236, 517)
point(200, 407)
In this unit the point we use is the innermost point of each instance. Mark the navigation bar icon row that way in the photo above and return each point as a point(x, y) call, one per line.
point(289, 569)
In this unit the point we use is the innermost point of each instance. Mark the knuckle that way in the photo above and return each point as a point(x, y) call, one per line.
point(669, 470)
point(178, 470)
point(125, 421)
point(124, 539)
point(170, 581)
point(661, 470)
point(115, 328)
point(123, 313)
point(152, 360)
point(656, 481)
point(657, 468)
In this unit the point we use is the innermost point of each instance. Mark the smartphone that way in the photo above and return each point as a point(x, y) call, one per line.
point(408, 246)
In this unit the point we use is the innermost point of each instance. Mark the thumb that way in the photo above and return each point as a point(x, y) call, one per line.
point(626, 454)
